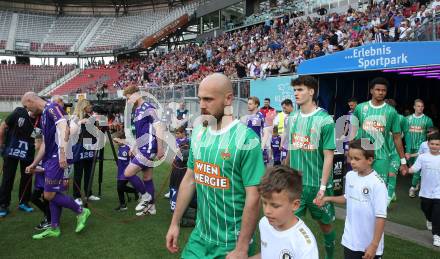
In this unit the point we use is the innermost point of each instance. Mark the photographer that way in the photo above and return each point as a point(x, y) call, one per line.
point(17, 146)
point(82, 155)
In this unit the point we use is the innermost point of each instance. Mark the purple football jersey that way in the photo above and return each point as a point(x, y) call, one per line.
point(123, 161)
point(145, 117)
point(256, 123)
point(52, 114)
point(275, 145)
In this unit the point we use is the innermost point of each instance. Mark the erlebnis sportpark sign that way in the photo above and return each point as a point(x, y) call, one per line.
point(377, 56)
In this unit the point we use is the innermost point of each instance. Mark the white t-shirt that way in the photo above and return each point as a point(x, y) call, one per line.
point(430, 173)
point(424, 148)
point(366, 200)
point(296, 242)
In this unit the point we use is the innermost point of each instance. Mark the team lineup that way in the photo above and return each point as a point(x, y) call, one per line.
point(227, 168)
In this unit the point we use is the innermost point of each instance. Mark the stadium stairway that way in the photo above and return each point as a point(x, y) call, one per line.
point(89, 79)
point(12, 32)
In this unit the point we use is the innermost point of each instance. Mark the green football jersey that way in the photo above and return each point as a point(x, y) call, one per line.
point(416, 135)
point(224, 163)
point(375, 124)
point(309, 135)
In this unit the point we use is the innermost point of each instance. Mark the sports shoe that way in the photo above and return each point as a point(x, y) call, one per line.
point(429, 225)
point(167, 195)
point(122, 207)
point(94, 198)
point(436, 240)
point(150, 210)
point(144, 201)
point(44, 224)
point(26, 208)
point(4, 211)
point(417, 187)
point(82, 219)
point(412, 192)
point(50, 232)
point(79, 201)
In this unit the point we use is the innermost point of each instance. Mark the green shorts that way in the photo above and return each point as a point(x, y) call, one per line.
point(394, 164)
point(382, 167)
point(325, 214)
point(198, 248)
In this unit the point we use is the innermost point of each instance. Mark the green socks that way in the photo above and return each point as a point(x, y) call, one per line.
point(329, 243)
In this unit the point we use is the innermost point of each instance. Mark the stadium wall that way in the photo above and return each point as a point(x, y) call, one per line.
point(9, 106)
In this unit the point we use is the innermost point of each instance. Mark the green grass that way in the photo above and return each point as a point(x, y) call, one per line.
point(123, 235)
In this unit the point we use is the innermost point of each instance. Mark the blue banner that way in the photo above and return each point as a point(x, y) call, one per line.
point(375, 56)
point(275, 88)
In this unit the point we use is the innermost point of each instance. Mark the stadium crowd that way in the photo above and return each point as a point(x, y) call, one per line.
point(279, 45)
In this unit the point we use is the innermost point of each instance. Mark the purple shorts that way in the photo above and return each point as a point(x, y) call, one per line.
point(144, 159)
point(39, 181)
point(54, 176)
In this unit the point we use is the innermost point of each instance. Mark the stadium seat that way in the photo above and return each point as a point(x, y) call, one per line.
point(15, 80)
point(89, 79)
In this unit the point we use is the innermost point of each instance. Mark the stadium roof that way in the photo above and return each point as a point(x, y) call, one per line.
point(94, 3)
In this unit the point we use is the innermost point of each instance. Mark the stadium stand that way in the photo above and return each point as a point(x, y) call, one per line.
point(19, 79)
point(64, 33)
point(115, 32)
point(5, 20)
point(278, 45)
point(89, 80)
point(33, 28)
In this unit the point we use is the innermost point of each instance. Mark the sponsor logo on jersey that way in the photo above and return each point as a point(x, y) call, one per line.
point(302, 142)
point(373, 126)
point(416, 129)
point(210, 175)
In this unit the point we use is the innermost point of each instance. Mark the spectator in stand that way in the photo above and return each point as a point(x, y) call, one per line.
point(288, 41)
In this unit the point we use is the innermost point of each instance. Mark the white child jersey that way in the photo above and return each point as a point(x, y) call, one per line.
point(430, 175)
point(366, 200)
point(296, 242)
point(424, 148)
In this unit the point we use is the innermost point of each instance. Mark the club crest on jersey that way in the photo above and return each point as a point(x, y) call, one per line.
point(365, 191)
point(365, 109)
point(209, 175)
point(20, 122)
point(225, 155)
point(286, 254)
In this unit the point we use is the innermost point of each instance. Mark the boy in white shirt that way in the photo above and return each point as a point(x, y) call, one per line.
point(429, 166)
point(424, 148)
point(366, 199)
point(283, 235)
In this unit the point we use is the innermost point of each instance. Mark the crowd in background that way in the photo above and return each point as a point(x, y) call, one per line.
point(279, 45)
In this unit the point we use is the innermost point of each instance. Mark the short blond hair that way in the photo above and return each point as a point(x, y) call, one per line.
point(131, 89)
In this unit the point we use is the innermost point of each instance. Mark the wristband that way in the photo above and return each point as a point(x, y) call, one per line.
point(322, 187)
point(403, 161)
